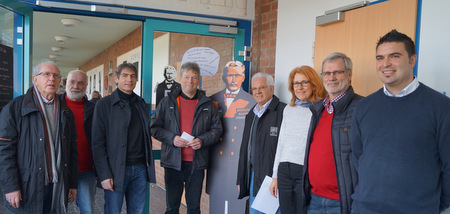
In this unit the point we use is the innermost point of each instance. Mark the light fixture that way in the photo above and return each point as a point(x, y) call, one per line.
point(70, 22)
point(62, 39)
point(53, 56)
point(57, 49)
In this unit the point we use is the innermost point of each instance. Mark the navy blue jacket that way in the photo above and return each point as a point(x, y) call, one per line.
point(22, 145)
point(340, 136)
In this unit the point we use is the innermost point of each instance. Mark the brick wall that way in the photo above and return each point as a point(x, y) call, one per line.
point(264, 33)
point(127, 43)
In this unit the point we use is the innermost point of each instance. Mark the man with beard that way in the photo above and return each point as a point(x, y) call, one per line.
point(83, 111)
point(330, 176)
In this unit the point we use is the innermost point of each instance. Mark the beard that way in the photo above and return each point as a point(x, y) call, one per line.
point(75, 96)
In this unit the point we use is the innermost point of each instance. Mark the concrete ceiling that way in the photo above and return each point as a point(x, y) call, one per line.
point(92, 36)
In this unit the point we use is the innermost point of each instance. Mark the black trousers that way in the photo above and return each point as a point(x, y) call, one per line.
point(192, 181)
point(290, 188)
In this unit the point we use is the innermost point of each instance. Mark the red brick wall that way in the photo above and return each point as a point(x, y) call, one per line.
point(264, 33)
point(127, 43)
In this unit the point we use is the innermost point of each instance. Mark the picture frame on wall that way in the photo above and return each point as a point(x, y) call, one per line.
point(110, 67)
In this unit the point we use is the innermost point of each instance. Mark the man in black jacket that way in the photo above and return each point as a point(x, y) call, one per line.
point(260, 138)
point(186, 112)
point(38, 148)
point(122, 146)
point(330, 176)
point(83, 111)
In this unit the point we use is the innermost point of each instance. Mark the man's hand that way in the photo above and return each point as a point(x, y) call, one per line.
point(14, 198)
point(108, 184)
point(239, 188)
point(273, 187)
point(72, 195)
point(180, 142)
point(195, 144)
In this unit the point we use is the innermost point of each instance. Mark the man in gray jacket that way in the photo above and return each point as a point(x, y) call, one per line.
point(38, 148)
point(121, 144)
point(186, 112)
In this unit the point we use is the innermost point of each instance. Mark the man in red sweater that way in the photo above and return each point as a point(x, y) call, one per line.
point(83, 111)
point(186, 112)
point(329, 174)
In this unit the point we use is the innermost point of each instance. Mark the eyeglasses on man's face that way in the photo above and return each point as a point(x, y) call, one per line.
point(260, 88)
point(303, 83)
point(335, 73)
point(48, 74)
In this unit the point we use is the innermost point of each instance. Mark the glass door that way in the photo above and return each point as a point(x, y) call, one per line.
point(165, 43)
point(15, 31)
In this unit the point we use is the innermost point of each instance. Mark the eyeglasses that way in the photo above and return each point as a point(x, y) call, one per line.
point(48, 74)
point(260, 88)
point(302, 83)
point(335, 73)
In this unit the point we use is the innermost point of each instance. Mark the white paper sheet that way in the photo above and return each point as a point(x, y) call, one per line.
point(264, 201)
point(187, 136)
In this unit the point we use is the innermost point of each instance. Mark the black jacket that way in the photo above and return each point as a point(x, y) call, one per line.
point(166, 125)
point(340, 136)
point(267, 138)
point(110, 124)
point(22, 144)
point(88, 114)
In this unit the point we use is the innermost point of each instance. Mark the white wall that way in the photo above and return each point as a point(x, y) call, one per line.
point(295, 37)
point(132, 57)
point(94, 83)
point(296, 32)
point(160, 60)
point(434, 45)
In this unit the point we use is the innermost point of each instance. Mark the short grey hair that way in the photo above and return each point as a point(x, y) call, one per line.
point(38, 66)
point(269, 78)
point(193, 66)
point(337, 55)
point(78, 71)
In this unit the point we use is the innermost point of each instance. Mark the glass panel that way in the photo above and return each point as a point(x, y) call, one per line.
point(6, 27)
point(169, 48)
point(6, 56)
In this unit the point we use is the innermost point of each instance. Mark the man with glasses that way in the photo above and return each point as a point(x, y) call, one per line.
point(122, 146)
point(38, 148)
point(233, 103)
point(187, 124)
point(330, 176)
point(260, 138)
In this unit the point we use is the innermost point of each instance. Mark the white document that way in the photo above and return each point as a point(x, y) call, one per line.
point(187, 136)
point(264, 201)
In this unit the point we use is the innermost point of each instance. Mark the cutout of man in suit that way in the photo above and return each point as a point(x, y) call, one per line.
point(233, 104)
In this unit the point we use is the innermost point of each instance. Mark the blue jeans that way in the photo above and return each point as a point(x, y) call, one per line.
point(86, 192)
point(321, 205)
point(252, 198)
point(134, 190)
point(192, 181)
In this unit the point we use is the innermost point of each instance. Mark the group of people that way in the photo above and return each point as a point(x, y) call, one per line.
point(329, 151)
point(332, 151)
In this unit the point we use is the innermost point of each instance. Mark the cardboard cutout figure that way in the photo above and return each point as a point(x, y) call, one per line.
point(168, 85)
point(233, 104)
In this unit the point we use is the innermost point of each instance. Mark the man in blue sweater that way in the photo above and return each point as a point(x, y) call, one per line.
point(401, 138)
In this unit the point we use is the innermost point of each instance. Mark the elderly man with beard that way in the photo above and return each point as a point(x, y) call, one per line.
point(329, 174)
point(83, 111)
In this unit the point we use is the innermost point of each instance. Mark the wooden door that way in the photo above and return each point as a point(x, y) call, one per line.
point(357, 37)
